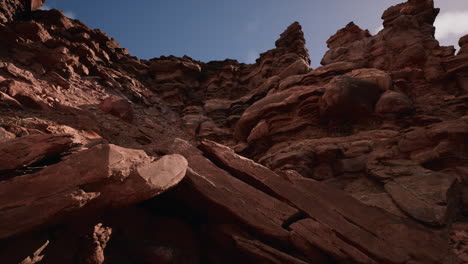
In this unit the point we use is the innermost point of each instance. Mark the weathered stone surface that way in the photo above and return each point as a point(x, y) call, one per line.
point(397, 156)
point(399, 242)
point(393, 103)
point(93, 252)
point(118, 106)
point(407, 41)
point(348, 98)
point(105, 176)
point(309, 234)
point(430, 197)
point(390, 169)
point(33, 31)
point(427, 196)
point(22, 152)
point(260, 252)
point(226, 195)
point(5, 135)
point(459, 240)
point(273, 104)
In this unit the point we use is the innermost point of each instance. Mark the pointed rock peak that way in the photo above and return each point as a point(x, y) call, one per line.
point(422, 10)
point(291, 34)
point(292, 41)
point(348, 34)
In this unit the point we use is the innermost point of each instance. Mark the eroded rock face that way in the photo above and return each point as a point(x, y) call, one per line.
point(25, 151)
point(361, 160)
point(348, 98)
point(393, 103)
point(101, 177)
point(118, 107)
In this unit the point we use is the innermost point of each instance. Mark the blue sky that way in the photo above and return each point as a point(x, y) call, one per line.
point(218, 29)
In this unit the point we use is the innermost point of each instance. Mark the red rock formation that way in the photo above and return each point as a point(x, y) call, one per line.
point(362, 160)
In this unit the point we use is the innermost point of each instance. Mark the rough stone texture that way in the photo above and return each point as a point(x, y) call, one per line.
point(392, 135)
point(336, 217)
point(22, 152)
point(348, 98)
point(101, 177)
point(393, 103)
point(375, 76)
point(118, 106)
point(215, 188)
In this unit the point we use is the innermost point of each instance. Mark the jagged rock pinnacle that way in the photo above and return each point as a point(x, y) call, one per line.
point(292, 39)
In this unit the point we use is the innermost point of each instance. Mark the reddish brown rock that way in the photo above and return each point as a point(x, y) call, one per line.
point(230, 197)
point(111, 176)
point(394, 103)
point(118, 107)
point(459, 240)
point(7, 101)
point(407, 41)
point(36, 257)
point(259, 252)
point(22, 152)
point(375, 76)
point(335, 210)
point(347, 98)
point(230, 209)
point(37, 4)
point(93, 252)
point(429, 197)
point(33, 31)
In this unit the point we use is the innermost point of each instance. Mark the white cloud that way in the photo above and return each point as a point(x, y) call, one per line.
point(251, 56)
point(69, 14)
point(450, 26)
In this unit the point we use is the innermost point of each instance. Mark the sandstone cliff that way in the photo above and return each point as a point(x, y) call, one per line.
point(106, 158)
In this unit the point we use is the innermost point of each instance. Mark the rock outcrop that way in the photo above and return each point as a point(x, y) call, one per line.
point(101, 177)
point(106, 158)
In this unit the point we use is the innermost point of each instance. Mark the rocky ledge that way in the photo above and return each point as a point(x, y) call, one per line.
point(106, 158)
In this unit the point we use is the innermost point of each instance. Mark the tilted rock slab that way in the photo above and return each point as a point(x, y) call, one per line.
point(27, 150)
point(103, 177)
point(220, 195)
point(336, 224)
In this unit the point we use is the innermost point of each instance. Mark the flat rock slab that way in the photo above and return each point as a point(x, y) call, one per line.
point(372, 232)
point(103, 177)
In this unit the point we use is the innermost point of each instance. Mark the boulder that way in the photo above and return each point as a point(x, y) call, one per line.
point(118, 106)
point(103, 177)
point(348, 98)
point(375, 76)
point(392, 102)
